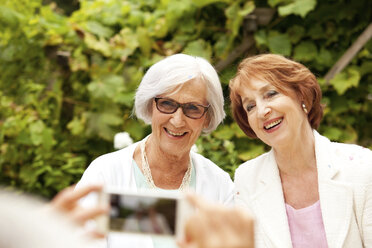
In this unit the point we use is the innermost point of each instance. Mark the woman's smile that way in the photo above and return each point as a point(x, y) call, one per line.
point(273, 124)
point(174, 133)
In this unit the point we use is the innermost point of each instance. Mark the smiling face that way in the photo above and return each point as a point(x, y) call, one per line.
point(275, 117)
point(175, 133)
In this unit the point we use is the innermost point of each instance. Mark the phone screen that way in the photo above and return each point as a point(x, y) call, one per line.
point(142, 214)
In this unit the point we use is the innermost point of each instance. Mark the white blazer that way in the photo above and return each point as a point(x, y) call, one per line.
point(345, 192)
point(115, 170)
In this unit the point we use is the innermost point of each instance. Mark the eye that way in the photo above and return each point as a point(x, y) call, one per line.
point(167, 104)
point(271, 93)
point(192, 107)
point(250, 106)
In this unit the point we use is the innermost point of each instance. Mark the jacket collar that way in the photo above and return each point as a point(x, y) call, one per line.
point(335, 198)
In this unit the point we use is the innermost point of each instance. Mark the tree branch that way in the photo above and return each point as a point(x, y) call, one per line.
point(349, 54)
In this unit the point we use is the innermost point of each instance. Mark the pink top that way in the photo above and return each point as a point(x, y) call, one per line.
point(306, 226)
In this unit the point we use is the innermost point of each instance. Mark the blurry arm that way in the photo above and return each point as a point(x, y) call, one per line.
point(215, 226)
point(67, 202)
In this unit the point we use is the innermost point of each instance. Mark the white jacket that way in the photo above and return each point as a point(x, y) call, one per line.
point(115, 170)
point(345, 192)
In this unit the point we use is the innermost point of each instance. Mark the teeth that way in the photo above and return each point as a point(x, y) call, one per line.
point(273, 124)
point(175, 134)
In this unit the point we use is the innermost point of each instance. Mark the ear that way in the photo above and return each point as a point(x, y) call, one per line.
point(207, 121)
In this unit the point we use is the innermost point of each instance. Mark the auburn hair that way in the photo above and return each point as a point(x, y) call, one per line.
point(286, 75)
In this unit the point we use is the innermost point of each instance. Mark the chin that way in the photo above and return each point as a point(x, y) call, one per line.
point(172, 149)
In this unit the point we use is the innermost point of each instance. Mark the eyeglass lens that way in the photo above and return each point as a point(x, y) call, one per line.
point(169, 106)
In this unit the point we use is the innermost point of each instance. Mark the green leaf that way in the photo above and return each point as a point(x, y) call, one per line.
point(98, 29)
point(298, 7)
point(36, 129)
point(333, 133)
point(160, 28)
point(144, 40)
point(126, 98)
point(41, 135)
point(76, 126)
point(305, 51)
point(261, 38)
point(224, 132)
point(220, 47)
point(237, 131)
point(279, 43)
point(100, 45)
point(251, 153)
point(102, 123)
point(247, 8)
point(199, 48)
point(9, 17)
point(345, 80)
point(316, 31)
point(202, 3)
point(108, 86)
point(296, 33)
point(135, 128)
point(365, 68)
point(324, 57)
point(274, 3)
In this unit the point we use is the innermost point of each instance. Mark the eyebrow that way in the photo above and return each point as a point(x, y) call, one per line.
point(197, 103)
point(261, 90)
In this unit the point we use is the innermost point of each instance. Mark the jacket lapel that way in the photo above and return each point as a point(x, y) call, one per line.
point(268, 205)
point(336, 199)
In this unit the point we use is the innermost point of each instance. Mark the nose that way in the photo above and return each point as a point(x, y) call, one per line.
point(263, 110)
point(178, 118)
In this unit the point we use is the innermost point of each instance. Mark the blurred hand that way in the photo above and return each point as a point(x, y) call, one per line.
point(216, 226)
point(67, 200)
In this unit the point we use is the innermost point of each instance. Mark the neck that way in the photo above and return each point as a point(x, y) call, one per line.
point(160, 160)
point(297, 156)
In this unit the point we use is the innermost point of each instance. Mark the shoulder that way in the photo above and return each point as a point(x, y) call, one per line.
point(109, 165)
point(352, 153)
point(249, 169)
point(344, 153)
point(212, 182)
point(353, 162)
point(113, 159)
point(203, 163)
point(353, 159)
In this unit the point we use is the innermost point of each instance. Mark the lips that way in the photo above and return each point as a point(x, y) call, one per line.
point(273, 123)
point(175, 134)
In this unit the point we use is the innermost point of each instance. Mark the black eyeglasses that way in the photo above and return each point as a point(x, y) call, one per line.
point(191, 110)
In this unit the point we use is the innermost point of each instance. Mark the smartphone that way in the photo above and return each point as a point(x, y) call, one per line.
point(145, 212)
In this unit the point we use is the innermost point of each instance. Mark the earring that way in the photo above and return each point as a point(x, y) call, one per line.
point(304, 108)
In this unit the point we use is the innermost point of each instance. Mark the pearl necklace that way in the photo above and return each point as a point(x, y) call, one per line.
point(147, 171)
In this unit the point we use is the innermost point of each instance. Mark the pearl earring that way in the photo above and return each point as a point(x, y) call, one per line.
point(304, 108)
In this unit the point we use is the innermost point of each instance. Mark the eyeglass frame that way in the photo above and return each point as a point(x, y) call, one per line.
point(156, 99)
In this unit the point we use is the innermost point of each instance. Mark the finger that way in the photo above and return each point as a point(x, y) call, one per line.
point(197, 202)
point(83, 191)
point(60, 200)
point(68, 198)
point(82, 215)
point(96, 235)
point(183, 244)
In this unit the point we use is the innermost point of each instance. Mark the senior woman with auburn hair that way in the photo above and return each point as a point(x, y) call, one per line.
point(306, 191)
point(181, 97)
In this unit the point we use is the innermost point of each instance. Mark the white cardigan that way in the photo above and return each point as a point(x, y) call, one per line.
point(115, 170)
point(345, 192)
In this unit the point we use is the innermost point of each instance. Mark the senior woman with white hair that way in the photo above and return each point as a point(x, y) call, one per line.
point(181, 97)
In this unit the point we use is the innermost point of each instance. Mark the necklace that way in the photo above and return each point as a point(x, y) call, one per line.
point(147, 171)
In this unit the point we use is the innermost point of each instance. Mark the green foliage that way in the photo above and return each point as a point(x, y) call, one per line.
point(67, 81)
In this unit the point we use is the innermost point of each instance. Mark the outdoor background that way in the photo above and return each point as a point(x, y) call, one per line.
point(69, 70)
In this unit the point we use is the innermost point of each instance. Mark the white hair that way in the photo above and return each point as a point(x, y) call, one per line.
point(170, 73)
